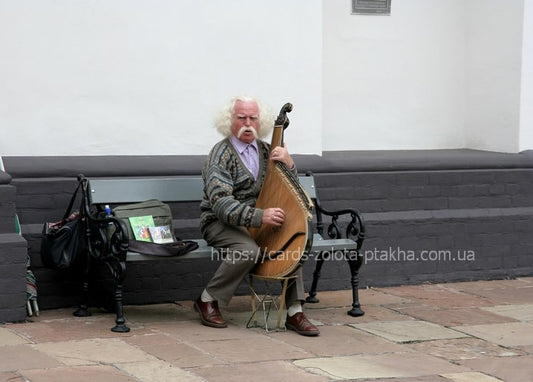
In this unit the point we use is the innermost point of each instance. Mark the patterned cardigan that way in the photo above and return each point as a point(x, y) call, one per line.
point(230, 190)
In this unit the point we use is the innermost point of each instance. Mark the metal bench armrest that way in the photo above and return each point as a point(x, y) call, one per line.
point(355, 228)
point(107, 237)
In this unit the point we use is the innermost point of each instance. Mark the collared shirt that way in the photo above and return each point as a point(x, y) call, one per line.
point(249, 153)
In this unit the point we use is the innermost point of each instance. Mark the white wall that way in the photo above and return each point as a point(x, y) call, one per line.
point(526, 98)
point(493, 69)
point(434, 75)
point(394, 82)
point(102, 77)
point(145, 77)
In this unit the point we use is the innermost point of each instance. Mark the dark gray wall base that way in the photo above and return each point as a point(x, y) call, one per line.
point(447, 246)
point(13, 253)
point(432, 216)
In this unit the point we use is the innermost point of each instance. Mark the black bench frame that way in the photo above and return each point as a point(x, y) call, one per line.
point(113, 251)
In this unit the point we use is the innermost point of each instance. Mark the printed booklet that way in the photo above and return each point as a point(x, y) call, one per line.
point(140, 226)
point(161, 234)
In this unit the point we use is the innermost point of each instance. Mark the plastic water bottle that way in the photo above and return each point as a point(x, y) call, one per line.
point(110, 226)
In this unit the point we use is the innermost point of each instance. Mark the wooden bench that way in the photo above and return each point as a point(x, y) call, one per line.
point(114, 250)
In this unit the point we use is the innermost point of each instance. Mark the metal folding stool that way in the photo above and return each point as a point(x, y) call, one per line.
point(268, 299)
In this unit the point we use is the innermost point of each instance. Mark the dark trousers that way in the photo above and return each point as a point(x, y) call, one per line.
point(240, 254)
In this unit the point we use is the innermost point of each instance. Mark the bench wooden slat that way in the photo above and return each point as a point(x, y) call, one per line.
point(182, 189)
point(205, 251)
point(107, 191)
point(326, 245)
point(308, 183)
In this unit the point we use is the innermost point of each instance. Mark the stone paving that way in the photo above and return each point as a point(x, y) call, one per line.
point(478, 331)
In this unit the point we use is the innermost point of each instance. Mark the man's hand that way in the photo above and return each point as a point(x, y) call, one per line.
point(281, 154)
point(273, 216)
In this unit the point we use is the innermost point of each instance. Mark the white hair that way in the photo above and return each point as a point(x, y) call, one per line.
point(224, 117)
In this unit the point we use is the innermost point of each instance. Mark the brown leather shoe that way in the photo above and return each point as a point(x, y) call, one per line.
point(301, 325)
point(209, 313)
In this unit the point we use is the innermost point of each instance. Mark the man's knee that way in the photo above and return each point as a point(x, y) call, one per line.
point(249, 254)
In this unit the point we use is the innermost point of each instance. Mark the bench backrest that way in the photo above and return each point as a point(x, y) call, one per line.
point(176, 189)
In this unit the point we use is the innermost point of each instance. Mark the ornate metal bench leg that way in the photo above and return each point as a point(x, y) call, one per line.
point(355, 261)
point(118, 269)
point(120, 321)
point(316, 275)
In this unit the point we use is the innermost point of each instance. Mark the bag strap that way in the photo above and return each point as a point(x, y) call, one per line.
point(177, 248)
point(72, 199)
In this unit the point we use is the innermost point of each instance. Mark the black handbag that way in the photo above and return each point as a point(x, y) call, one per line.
point(62, 242)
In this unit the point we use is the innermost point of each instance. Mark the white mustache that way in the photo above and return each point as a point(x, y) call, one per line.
point(246, 129)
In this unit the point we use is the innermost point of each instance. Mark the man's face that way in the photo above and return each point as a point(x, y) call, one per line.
point(245, 124)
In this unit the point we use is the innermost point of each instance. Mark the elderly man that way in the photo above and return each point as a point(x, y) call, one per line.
point(233, 176)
